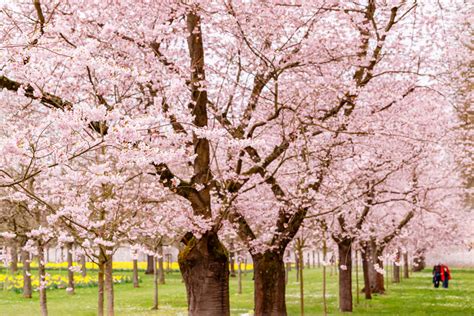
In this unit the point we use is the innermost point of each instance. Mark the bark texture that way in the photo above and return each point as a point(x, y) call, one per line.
point(135, 273)
point(109, 286)
point(269, 284)
point(205, 268)
point(345, 275)
point(405, 266)
point(27, 289)
point(365, 269)
point(70, 273)
point(42, 277)
point(100, 288)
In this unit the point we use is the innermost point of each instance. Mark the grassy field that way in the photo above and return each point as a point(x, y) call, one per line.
point(415, 296)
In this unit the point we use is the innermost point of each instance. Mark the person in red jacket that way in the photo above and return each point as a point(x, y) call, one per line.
point(445, 275)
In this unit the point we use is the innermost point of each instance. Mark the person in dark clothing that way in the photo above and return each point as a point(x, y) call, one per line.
point(436, 275)
point(445, 275)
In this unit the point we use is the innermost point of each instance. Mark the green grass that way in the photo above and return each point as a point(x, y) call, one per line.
point(414, 296)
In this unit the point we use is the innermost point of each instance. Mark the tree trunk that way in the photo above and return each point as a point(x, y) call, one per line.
point(287, 271)
point(297, 266)
point(42, 278)
point(319, 259)
point(418, 261)
point(300, 256)
point(27, 289)
point(14, 258)
point(365, 269)
point(155, 284)
point(232, 262)
point(205, 269)
point(149, 264)
point(109, 286)
point(83, 266)
point(135, 273)
point(405, 265)
point(239, 276)
point(357, 275)
point(70, 273)
point(325, 305)
point(161, 270)
point(100, 287)
point(379, 277)
point(396, 268)
point(345, 275)
point(269, 283)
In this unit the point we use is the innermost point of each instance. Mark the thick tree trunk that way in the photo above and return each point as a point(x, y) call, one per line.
point(379, 277)
point(14, 258)
point(205, 268)
point(100, 288)
point(269, 291)
point(135, 273)
point(149, 264)
point(396, 267)
point(161, 270)
point(418, 261)
point(42, 278)
point(70, 273)
point(83, 266)
point(27, 289)
point(365, 269)
point(109, 286)
point(345, 275)
point(405, 266)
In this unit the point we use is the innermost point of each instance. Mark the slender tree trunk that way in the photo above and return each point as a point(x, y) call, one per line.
point(314, 261)
point(245, 266)
point(357, 275)
point(269, 292)
point(42, 278)
point(83, 266)
point(161, 270)
point(149, 264)
point(239, 275)
point(70, 273)
point(297, 266)
point(308, 262)
point(155, 284)
point(405, 266)
point(325, 305)
point(232, 263)
point(14, 258)
point(300, 256)
point(319, 259)
point(365, 254)
point(135, 273)
point(27, 289)
point(109, 286)
point(345, 275)
point(205, 269)
point(100, 286)
point(287, 271)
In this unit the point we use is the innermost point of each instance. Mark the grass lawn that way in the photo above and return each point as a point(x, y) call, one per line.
point(415, 296)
